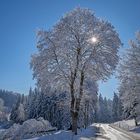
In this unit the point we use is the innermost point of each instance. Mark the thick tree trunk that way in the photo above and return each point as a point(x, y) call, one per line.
point(74, 122)
point(74, 114)
point(136, 123)
point(75, 106)
point(75, 103)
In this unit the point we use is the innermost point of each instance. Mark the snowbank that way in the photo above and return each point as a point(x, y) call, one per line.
point(128, 126)
point(125, 124)
point(27, 129)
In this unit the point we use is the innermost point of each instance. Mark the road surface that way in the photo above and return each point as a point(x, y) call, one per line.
point(106, 132)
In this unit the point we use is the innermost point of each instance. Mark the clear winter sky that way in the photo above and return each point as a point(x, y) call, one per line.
point(20, 20)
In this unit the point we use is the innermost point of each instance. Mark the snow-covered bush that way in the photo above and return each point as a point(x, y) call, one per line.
point(9, 133)
point(28, 128)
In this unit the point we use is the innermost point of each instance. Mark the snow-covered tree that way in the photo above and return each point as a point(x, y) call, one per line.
point(107, 111)
point(3, 114)
point(115, 108)
point(18, 111)
point(79, 47)
point(100, 108)
point(104, 110)
point(109, 107)
point(49, 107)
point(1, 104)
point(20, 114)
point(58, 104)
point(129, 75)
point(31, 104)
point(9, 98)
point(88, 104)
point(14, 113)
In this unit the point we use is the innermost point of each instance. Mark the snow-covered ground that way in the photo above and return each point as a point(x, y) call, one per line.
point(83, 134)
point(93, 132)
point(104, 132)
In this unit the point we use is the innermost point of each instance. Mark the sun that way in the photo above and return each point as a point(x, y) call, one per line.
point(94, 39)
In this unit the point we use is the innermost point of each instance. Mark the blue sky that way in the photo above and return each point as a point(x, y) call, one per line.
point(20, 20)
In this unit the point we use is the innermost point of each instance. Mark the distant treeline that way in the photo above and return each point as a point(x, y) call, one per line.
point(9, 98)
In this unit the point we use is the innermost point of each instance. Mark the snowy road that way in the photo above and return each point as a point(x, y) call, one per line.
point(109, 133)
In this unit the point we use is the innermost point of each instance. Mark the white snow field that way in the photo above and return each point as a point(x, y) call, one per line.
point(83, 134)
